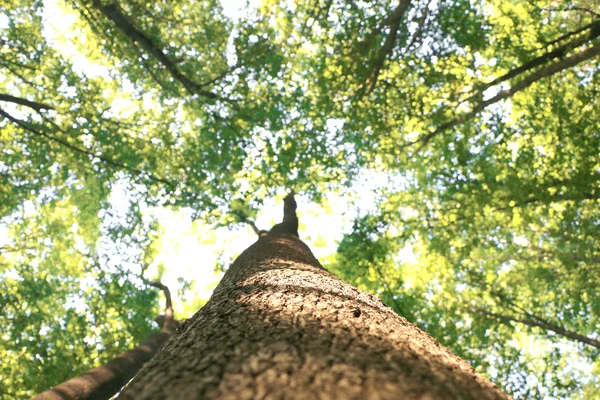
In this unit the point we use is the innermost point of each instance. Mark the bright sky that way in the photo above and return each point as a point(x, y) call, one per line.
point(190, 249)
point(236, 9)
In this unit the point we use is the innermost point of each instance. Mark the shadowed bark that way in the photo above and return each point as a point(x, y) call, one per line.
point(281, 326)
point(105, 381)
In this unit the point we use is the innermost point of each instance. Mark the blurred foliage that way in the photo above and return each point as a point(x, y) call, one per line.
point(483, 114)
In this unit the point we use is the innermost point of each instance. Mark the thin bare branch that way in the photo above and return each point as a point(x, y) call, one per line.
point(420, 27)
point(539, 324)
point(79, 150)
point(259, 232)
point(169, 316)
point(544, 72)
point(24, 102)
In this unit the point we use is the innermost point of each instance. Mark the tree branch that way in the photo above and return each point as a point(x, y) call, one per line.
point(79, 150)
point(113, 13)
point(539, 323)
point(592, 195)
point(570, 34)
point(571, 8)
point(544, 72)
point(594, 32)
point(24, 102)
point(393, 21)
point(169, 321)
point(18, 64)
point(259, 232)
point(21, 77)
point(420, 27)
point(289, 225)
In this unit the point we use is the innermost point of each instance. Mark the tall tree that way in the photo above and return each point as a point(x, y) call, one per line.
point(473, 124)
point(280, 325)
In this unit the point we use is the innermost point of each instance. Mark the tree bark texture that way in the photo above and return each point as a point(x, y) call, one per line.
point(280, 326)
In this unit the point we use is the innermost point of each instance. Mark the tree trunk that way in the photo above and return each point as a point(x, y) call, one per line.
point(103, 382)
point(280, 326)
point(106, 380)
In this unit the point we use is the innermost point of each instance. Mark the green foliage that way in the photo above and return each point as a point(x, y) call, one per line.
point(63, 313)
point(483, 115)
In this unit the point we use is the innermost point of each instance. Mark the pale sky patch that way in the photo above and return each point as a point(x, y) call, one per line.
point(4, 21)
point(58, 29)
point(238, 9)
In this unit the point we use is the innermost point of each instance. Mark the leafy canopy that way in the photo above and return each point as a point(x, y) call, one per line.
point(476, 124)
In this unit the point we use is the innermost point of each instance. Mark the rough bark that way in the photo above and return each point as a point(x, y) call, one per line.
point(280, 326)
point(103, 382)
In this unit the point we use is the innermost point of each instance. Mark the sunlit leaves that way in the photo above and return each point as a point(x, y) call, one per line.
point(63, 313)
point(174, 104)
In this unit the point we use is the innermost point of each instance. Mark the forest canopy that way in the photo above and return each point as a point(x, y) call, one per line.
point(446, 154)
